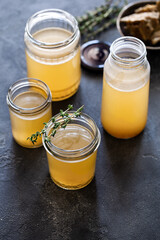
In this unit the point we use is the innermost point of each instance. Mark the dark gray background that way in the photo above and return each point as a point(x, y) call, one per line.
point(123, 200)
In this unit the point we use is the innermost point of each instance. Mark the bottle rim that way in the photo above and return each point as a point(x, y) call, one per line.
point(26, 82)
point(134, 42)
point(78, 155)
point(59, 44)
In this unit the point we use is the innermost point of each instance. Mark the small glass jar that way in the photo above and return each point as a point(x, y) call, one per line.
point(125, 88)
point(29, 101)
point(52, 40)
point(72, 152)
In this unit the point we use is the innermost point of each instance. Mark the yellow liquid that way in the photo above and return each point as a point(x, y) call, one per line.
point(72, 174)
point(23, 126)
point(124, 113)
point(61, 72)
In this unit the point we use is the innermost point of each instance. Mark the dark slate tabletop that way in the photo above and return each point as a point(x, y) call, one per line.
point(123, 200)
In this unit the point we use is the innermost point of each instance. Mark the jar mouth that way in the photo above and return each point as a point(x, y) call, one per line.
point(52, 13)
point(76, 154)
point(128, 51)
point(25, 83)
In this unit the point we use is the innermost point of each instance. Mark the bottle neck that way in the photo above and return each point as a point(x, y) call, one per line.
point(128, 52)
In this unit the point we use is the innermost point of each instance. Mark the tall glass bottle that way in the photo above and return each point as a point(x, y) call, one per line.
point(125, 88)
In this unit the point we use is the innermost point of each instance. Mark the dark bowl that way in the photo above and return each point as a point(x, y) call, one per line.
point(127, 10)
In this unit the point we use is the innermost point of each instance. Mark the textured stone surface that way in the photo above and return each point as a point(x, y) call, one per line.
point(123, 200)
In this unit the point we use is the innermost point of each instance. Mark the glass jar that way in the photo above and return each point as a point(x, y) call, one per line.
point(29, 102)
point(72, 152)
point(52, 40)
point(125, 88)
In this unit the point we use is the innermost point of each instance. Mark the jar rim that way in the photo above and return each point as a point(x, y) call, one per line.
point(24, 82)
point(132, 40)
point(76, 154)
point(57, 44)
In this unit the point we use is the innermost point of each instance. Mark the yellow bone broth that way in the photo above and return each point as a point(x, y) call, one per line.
point(125, 88)
point(72, 151)
point(58, 67)
point(24, 125)
point(125, 102)
point(71, 173)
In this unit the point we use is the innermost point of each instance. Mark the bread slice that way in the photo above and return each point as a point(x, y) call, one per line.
point(142, 25)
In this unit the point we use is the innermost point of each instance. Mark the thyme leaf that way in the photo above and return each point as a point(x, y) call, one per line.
point(56, 125)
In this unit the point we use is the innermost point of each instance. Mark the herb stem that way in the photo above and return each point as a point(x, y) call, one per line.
point(66, 118)
point(95, 21)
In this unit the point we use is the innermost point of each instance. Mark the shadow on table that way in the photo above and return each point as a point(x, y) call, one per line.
point(122, 157)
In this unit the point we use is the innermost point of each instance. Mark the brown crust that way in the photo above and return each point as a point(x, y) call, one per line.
point(147, 8)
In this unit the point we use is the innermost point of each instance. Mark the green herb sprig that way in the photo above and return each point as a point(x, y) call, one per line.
point(95, 21)
point(56, 125)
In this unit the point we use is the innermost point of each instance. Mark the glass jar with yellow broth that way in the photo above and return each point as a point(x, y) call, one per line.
point(29, 101)
point(125, 88)
point(72, 151)
point(52, 40)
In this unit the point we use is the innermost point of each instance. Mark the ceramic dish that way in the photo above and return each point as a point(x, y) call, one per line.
point(129, 9)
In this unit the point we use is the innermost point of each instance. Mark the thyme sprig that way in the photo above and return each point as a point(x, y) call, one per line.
point(66, 118)
point(95, 21)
